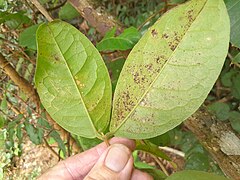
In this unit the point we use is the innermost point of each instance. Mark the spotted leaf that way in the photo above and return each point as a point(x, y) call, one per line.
point(171, 70)
point(72, 80)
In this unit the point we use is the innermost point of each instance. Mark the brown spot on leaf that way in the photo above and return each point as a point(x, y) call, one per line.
point(190, 16)
point(154, 33)
point(173, 47)
point(165, 36)
point(138, 78)
point(158, 60)
point(175, 41)
point(149, 67)
point(161, 59)
point(56, 58)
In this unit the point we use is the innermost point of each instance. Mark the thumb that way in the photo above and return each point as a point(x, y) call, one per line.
point(115, 163)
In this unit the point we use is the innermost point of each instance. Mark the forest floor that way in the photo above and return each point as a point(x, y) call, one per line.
point(35, 160)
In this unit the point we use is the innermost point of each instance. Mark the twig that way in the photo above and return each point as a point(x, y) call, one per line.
point(218, 91)
point(51, 149)
point(150, 18)
point(163, 10)
point(42, 10)
point(225, 99)
point(117, 58)
point(19, 98)
point(20, 48)
point(68, 145)
point(7, 115)
point(231, 58)
point(161, 165)
point(54, 8)
point(174, 151)
point(166, 5)
point(28, 4)
point(34, 18)
point(11, 106)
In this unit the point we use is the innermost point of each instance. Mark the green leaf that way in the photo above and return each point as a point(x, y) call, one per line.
point(2, 140)
point(68, 12)
point(19, 132)
point(124, 41)
point(155, 173)
point(138, 163)
point(44, 1)
point(2, 121)
point(234, 118)
point(162, 140)
point(115, 68)
point(32, 133)
point(221, 110)
point(28, 37)
point(11, 126)
point(3, 4)
point(177, 1)
point(3, 105)
point(234, 13)
point(236, 59)
point(14, 20)
point(152, 149)
point(55, 135)
point(42, 122)
point(72, 80)
point(197, 161)
point(86, 143)
point(226, 79)
point(196, 175)
point(171, 70)
point(131, 34)
point(110, 33)
point(236, 86)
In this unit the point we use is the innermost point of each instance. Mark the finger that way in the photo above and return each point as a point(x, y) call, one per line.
point(115, 163)
point(79, 165)
point(127, 142)
point(137, 174)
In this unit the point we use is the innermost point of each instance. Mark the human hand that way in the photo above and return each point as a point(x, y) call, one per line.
point(101, 163)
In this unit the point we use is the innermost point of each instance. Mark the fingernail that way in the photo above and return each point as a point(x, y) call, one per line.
point(117, 157)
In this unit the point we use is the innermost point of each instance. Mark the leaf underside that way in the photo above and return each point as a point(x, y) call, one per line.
point(170, 71)
point(72, 80)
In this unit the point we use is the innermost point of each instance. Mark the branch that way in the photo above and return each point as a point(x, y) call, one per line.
point(51, 149)
point(22, 83)
point(42, 10)
point(102, 22)
point(218, 139)
point(54, 8)
point(11, 106)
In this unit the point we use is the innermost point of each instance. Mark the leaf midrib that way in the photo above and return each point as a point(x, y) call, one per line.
point(147, 90)
point(85, 108)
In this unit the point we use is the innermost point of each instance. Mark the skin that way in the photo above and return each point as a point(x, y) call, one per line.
point(93, 164)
